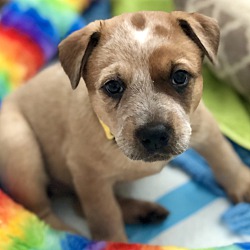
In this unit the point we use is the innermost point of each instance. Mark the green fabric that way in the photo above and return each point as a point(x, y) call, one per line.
point(5, 88)
point(122, 6)
point(228, 108)
point(231, 112)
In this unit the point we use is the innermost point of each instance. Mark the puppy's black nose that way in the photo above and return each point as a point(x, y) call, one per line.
point(153, 137)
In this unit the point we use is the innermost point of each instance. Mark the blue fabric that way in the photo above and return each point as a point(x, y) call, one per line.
point(237, 218)
point(245, 246)
point(190, 196)
point(73, 241)
point(99, 9)
point(196, 166)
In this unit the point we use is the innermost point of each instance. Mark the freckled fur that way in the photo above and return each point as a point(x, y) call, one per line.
point(139, 21)
point(160, 30)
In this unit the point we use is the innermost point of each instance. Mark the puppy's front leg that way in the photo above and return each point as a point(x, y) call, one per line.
point(100, 207)
point(229, 171)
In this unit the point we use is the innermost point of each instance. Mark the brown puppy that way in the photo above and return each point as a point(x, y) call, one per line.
point(143, 77)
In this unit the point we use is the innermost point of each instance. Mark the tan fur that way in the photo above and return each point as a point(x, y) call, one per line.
point(50, 134)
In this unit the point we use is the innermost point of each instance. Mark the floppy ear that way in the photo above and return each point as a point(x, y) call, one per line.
point(75, 50)
point(202, 30)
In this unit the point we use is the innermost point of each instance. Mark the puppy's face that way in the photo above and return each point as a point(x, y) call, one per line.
point(143, 74)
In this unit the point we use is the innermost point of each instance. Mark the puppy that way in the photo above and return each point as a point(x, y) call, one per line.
point(140, 77)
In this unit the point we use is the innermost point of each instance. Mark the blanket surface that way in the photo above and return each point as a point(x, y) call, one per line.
point(22, 230)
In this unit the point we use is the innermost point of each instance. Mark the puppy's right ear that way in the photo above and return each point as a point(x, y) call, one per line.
point(75, 50)
point(202, 30)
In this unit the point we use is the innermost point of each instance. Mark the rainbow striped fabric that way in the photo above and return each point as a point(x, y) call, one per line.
point(30, 31)
point(20, 229)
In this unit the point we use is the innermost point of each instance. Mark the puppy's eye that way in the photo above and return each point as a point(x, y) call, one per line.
point(114, 88)
point(180, 78)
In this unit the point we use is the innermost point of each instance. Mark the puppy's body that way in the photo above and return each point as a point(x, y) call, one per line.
point(69, 124)
point(50, 133)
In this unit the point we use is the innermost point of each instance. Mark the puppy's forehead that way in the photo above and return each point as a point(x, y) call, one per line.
point(135, 36)
point(141, 28)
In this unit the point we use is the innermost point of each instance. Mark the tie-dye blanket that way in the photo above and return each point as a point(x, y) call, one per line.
point(22, 230)
point(30, 31)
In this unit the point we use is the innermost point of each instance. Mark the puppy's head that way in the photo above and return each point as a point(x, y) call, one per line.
point(143, 74)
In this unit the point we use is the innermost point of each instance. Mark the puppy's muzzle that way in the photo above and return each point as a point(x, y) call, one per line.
point(154, 137)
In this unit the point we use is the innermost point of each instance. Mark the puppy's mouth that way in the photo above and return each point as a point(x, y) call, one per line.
point(152, 157)
point(157, 157)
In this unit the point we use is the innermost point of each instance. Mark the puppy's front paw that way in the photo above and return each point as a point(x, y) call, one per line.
point(239, 190)
point(142, 212)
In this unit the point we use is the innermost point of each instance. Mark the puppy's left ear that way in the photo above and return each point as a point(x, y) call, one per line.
point(202, 30)
point(75, 50)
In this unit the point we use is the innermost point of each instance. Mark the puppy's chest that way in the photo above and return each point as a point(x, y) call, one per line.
point(111, 163)
point(127, 170)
